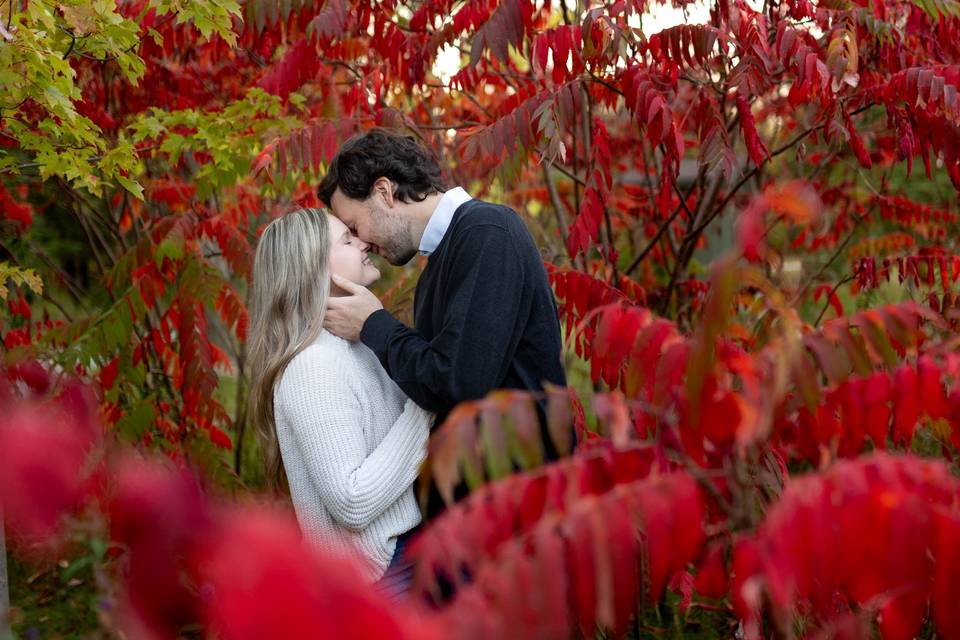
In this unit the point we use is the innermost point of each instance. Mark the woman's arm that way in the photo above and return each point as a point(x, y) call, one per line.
point(319, 397)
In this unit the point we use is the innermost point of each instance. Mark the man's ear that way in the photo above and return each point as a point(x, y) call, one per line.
point(384, 187)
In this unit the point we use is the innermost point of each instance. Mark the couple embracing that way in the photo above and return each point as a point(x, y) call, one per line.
point(347, 394)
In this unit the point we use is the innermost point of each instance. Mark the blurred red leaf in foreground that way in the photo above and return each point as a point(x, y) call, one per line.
point(185, 559)
point(159, 516)
point(257, 579)
point(49, 467)
point(867, 533)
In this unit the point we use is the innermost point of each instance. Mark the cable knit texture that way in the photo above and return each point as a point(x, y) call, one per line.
point(351, 444)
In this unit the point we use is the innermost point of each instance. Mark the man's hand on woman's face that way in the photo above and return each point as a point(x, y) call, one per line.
point(346, 314)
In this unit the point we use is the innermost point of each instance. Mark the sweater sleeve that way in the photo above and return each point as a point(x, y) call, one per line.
point(324, 412)
point(487, 303)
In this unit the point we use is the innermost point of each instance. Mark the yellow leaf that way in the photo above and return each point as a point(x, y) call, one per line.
point(19, 277)
point(80, 19)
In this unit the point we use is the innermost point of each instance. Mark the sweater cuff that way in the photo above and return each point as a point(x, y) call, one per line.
point(376, 330)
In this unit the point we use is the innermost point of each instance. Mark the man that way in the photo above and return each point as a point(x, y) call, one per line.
point(484, 314)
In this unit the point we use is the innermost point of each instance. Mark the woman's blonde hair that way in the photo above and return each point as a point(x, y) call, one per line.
point(291, 282)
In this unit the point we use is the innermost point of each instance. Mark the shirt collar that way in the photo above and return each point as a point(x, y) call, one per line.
point(440, 219)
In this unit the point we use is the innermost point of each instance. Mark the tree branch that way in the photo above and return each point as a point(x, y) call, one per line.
point(829, 295)
point(695, 233)
point(557, 204)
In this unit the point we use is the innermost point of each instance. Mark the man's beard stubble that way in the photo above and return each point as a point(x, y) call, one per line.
point(394, 230)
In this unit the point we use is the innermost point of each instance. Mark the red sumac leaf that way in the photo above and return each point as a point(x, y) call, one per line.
point(906, 404)
point(712, 576)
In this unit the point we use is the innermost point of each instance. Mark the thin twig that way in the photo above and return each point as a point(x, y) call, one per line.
point(443, 127)
point(840, 248)
point(556, 202)
point(653, 241)
point(700, 476)
point(606, 84)
point(564, 171)
point(829, 295)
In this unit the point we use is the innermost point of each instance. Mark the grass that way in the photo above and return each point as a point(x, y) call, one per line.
point(50, 601)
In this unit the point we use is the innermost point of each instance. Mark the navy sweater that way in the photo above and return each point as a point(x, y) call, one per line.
point(484, 314)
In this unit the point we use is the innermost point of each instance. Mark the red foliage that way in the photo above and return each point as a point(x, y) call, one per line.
point(922, 270)
point(870, 506)
point(50, 460)
point(794, 202)
point(756, 149)
point(32, 374)
point(15, 211)
point(146, 494)
point(472, 531)
point(298, 66)
point(565, 45)
point(585, 229)
point(712, 579)
point(305, 149)
point(715, 394)
point(575, 528)
point(243, 572)
point(257, 579)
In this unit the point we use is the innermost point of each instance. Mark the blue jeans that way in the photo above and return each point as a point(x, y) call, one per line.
point(396, 582)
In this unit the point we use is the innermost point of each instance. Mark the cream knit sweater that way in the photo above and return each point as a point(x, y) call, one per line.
point(351, 444)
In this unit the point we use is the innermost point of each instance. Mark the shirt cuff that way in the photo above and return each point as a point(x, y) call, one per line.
point(377, 329)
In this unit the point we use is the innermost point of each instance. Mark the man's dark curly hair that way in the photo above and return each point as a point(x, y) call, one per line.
point(378, 153)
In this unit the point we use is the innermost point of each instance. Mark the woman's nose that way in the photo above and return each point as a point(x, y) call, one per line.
point(364, 246)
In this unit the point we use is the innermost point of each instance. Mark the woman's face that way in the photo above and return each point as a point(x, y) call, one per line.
point(349, 256)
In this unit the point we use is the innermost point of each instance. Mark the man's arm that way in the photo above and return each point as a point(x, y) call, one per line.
point(488, 303)
point(345, 315)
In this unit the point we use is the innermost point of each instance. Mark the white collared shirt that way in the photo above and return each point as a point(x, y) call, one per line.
point(440, 219)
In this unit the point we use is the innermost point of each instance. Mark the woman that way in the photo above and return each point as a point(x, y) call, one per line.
point(348, 439)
